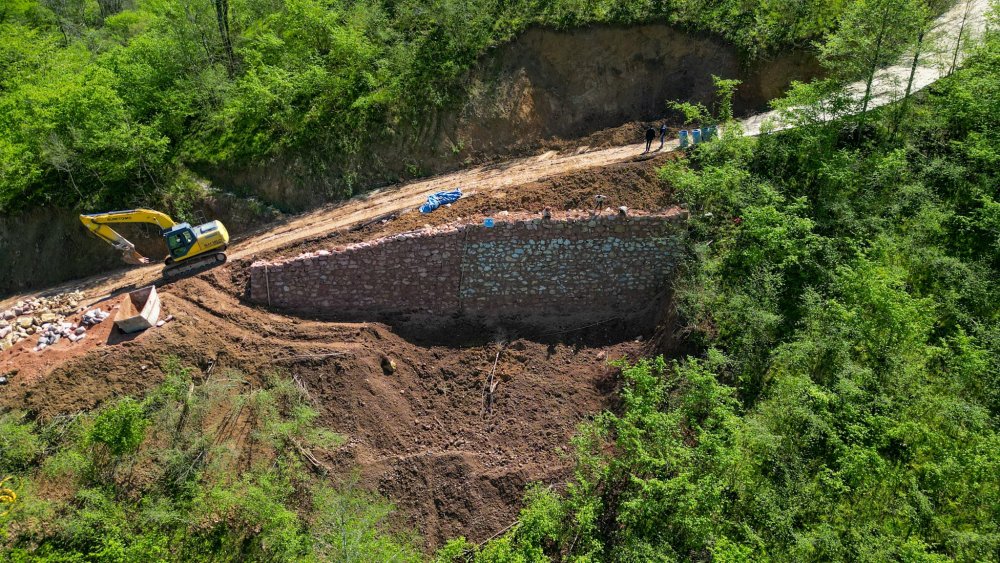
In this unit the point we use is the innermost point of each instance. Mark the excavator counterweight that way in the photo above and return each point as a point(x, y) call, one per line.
point(190, 248)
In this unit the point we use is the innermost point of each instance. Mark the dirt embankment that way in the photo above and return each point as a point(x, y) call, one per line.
point(532, 94)
point(48, 246)
point(419, 434)
point(554, 84)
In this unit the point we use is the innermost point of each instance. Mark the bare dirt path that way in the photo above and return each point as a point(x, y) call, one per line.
point(967, 16)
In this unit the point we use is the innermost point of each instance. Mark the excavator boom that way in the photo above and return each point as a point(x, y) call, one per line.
point(98, 223)
point(162, 220)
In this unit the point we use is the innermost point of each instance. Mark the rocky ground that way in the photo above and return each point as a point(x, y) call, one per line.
point(26, 318)
point(46, 321)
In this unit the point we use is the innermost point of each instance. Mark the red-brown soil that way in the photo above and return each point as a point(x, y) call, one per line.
point(27, 366)
point(420, 435)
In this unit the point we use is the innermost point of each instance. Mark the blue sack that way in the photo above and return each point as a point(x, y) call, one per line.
point(439, 199)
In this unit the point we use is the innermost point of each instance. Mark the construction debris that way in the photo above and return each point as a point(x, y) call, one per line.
point(139, 311)
point(52, 332)
point(44, 316)
point(6, 377)
point(94, 316)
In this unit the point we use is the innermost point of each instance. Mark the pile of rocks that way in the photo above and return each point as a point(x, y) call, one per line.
point(53, 332)
point(44, 316)
point(93, 317)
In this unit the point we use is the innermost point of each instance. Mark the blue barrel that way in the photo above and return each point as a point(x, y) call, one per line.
point(696, 136)
point(488, 222)
point(683, 138)
point(708, 133)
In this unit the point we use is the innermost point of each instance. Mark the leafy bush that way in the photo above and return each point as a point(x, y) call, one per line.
point(20, 447)
point(841, 296)
point(120, 428)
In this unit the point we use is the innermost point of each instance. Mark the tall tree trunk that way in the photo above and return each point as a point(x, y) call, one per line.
point(903, 106)
point(222, 15)
point(961, 32)
point(109, 7)
point(876, 56)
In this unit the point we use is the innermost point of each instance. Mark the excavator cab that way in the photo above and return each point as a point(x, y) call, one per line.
point(180, 238)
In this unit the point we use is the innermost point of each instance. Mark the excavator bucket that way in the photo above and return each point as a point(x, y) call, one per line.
point(131, 256)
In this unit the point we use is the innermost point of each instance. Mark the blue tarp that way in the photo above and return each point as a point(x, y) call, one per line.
point(439, 199)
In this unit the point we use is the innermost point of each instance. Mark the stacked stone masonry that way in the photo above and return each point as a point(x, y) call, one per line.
point(574, 266)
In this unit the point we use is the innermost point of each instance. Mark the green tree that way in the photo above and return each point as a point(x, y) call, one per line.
point(725, 89)
point(870, 35)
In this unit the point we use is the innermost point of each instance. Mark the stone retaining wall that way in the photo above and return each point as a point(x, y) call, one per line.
point(573, 267)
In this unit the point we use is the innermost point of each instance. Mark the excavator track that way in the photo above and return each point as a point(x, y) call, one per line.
point(193, 266)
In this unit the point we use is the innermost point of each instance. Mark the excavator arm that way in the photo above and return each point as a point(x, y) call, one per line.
point(98, 223)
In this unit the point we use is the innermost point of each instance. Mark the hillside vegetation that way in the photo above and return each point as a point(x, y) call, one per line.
point(839, 305)
point(209, 470)
point(844, 403)
point(106, 103)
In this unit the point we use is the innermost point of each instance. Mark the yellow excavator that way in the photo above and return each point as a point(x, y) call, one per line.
point(190, 248)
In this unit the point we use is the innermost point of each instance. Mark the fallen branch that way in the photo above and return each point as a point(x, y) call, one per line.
point(184, 409)
point(468, 553)
point(491, 384)
point(302, 388)
point(319, 466)
point(191, 467)
point(386, 217)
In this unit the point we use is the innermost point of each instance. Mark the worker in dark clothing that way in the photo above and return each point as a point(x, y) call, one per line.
point(663, 135)
point(650, 135)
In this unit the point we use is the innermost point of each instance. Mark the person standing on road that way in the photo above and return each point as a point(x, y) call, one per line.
point(663, 135)
point(650, 135)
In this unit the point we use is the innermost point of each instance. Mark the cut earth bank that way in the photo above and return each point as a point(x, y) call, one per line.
point(48, 246)
point(417, 434)
point(532, 94)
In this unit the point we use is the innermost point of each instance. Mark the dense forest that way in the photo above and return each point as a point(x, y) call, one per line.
point(110, 103)
point(844, 402)
point(839, 398)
